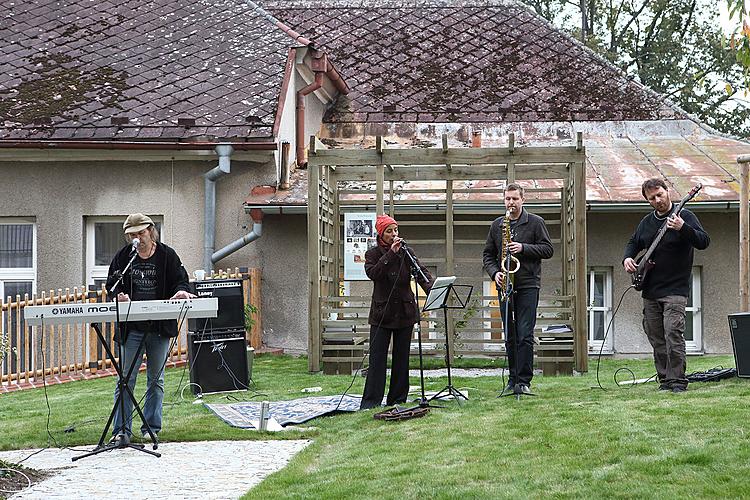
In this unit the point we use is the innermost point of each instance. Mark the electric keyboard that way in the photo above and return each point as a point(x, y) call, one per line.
point(138, 310)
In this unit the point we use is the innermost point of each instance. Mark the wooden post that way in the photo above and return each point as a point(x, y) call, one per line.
point(511, 162)
point(313, 266)
point(579, 213)
point(743, 236)
point(379, 178)
point(449, 259)
point(256, 332)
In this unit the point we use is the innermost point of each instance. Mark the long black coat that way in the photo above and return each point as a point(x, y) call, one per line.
point(393, 304)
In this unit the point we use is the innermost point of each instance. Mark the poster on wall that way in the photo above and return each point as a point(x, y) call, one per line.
point(359, 236)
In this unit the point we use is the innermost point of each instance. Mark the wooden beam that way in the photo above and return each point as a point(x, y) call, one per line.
point(435, 156)
point(744, 234)
point(457, 172)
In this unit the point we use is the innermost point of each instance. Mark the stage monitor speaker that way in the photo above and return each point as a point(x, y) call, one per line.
point(739, 327)
point(218, 361)
point(231, 314)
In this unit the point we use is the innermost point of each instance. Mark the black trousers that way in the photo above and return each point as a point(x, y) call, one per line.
point(375, 384)
point(521, 357)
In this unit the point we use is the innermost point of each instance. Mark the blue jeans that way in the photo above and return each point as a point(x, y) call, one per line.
point(156, 348)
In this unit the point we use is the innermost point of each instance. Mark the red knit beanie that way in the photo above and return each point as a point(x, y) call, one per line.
point(382, 222)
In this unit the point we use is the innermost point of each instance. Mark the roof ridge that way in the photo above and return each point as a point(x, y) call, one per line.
point(286, 29)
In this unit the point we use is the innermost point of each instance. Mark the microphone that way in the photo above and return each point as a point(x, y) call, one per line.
point(135, 242)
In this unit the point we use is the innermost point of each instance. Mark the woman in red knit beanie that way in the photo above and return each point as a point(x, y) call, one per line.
point(393, 313)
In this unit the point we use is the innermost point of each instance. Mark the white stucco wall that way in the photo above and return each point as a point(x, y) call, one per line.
point(59, 196)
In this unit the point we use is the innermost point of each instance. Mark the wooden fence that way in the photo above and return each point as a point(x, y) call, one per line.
point(27, 352)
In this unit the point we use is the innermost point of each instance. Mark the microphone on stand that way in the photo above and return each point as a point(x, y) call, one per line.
point(135, 242)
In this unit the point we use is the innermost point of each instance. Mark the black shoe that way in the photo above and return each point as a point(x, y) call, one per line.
point(664, 387)
point(508, 388)
point(679, 388)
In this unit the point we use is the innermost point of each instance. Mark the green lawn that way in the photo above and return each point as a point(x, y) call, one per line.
point(569, 441)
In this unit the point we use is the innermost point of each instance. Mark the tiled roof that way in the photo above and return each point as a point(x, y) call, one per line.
point(619, 157)
point(131, 69)
point(460, 61)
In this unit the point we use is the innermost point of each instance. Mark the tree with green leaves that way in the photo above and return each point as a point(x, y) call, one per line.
point(675, 47)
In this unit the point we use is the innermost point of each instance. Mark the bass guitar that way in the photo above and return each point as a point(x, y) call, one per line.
point(645, 264)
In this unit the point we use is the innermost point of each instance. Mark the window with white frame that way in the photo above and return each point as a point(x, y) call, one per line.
point(17, 278)
point(17, 257)
point(104, 237)
point(600, 309)
point(693, 320)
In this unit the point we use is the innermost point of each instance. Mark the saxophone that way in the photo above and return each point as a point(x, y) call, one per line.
point(509, 264)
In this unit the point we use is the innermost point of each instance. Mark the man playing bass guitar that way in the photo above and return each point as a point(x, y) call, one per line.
point(666, 287)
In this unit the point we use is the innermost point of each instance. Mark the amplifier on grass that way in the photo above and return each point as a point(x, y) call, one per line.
point(231, 314)
point(219, 361)
point(739, 329)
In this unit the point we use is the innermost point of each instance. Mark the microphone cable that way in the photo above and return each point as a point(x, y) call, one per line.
point(604, 340)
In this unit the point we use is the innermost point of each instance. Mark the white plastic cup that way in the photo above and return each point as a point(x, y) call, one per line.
point(199, 274)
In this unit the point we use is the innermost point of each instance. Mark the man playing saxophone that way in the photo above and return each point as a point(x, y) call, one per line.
point(528, 242)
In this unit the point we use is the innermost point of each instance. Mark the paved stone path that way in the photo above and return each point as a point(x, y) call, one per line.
point(202, 470)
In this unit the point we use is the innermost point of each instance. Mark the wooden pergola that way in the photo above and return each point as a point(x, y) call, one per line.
point(427, 188)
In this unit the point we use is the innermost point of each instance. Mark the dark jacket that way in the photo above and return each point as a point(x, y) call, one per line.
point(529, 230)
point(393, 304)
point(673, 255)
point(171, 279)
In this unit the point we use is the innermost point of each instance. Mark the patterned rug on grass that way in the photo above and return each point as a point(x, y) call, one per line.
point(295, 411)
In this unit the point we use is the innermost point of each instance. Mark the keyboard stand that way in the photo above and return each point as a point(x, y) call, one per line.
point(122, 382)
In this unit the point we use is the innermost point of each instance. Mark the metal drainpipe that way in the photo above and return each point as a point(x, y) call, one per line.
point(209, 215)
point(315, 85)
point(257, 216)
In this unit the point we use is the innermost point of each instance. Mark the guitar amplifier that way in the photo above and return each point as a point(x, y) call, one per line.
point(739, 328)
point(219, 361)
point(231, 314)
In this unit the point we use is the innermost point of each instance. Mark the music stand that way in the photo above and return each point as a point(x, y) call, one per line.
point(122, 383)
point(442, 290)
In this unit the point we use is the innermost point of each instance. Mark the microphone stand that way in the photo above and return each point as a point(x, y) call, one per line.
point(417, 273)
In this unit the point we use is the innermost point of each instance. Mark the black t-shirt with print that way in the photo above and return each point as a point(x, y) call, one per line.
point(144, 280)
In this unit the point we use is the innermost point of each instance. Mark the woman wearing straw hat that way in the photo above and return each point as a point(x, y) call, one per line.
point(393, 313)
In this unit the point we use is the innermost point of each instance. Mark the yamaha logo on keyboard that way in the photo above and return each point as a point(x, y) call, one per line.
point(98, 308)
